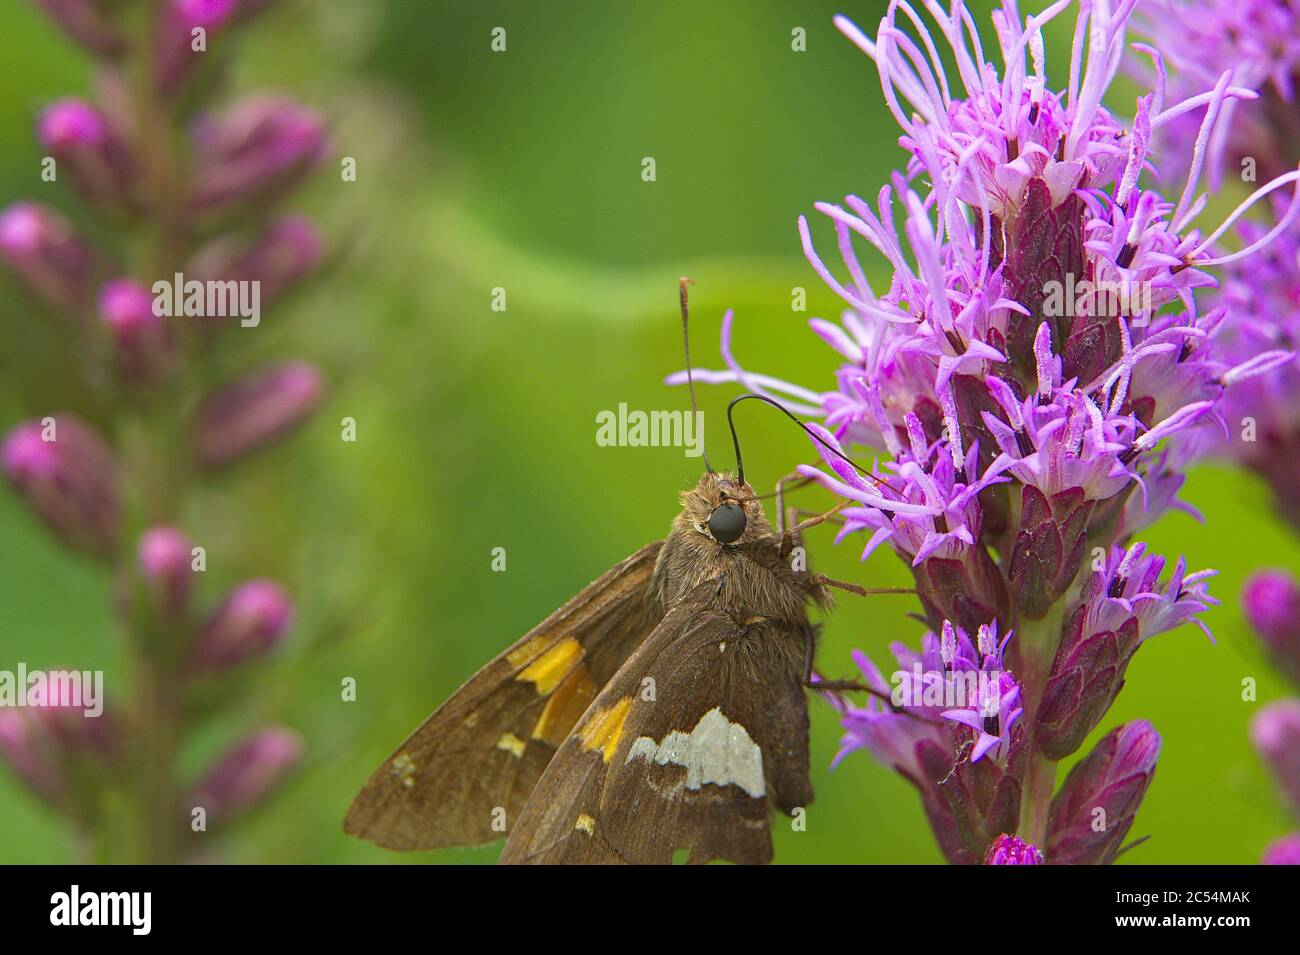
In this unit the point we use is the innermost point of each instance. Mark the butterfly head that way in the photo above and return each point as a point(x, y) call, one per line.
point(724, 510)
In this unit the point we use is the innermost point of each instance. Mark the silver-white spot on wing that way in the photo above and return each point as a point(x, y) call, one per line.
point(717, 751)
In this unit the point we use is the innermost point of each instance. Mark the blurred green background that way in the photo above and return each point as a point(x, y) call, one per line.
point(522, 170)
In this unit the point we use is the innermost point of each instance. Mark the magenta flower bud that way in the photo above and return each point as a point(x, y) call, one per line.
point(256, 411)
point(176, 56)
point(1012, 850)
point(69, 477)
point(141, 339)
point(1094, 809)
point(46, 253)
point(287, 251)
point(27, 757)
point(81, 139)
point(247, 774)
point(1271, 600)
point(58, 751)
point(1284, 851)
point(1275, 731)
point(250, 622)
point(87, 23)
point(164, 559)
point(261, 146)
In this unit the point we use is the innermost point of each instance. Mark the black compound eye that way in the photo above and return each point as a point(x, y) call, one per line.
point(727, 523)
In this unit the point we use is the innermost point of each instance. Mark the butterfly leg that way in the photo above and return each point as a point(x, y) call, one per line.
point(796, 480)
point(840, 686)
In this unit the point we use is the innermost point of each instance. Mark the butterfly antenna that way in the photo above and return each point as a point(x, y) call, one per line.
point(686, 350)
point(735, 440)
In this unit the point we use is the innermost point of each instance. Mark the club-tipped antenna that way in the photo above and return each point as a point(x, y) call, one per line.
point(682, 283)
point(735, 440)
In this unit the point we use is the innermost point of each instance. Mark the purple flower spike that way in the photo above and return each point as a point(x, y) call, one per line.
point(141, 339)
point(1012, 850)
point(1271, 600)
point(256, 411)
point(1285, 851)
point(46, 253)
point(86, 22)
point(1275, 731)
point(69, 477)
point(262, 145)
point(283, 255)
point(1094, 809)
point(164, 559)
point(249, 623)
point(247, 774)
point(82, 140)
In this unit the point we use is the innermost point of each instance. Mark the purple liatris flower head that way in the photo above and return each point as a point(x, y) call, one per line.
point(954, 731)
point(250, 622)
point(246, 774)
point(1271, 599)
point(89, 22)
point(140, 338)
point(262, 145)
point(68, 475)
point(165, 561)
point(286, 252)
point(256, 411)
point(1275, 731)
point(1012, 850)
point(1094, 809)
point(82, 139)
point(1284, 851)
point(41, 247)
point(60, 752)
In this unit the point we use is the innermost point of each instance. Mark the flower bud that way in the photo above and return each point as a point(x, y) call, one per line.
point(81, 139)
point(43, 249)
point(141, 339)
point(175, 55)
point(1271, 600)
point(250, 622)
point(68, 476)
point(58, 751)
point(261, 146)
point(247, 774)
point(288, 250)
point(1012, 850)
point(1094, 809)
point(86, 22)
point(1049, 547)
point(1275, 731)
point(256, 411)
point(164, 559)
point(1284, 851)
point(1121, 604)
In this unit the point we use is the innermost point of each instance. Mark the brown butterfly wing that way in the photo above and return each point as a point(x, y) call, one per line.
point(699, 767)
point(483, 750)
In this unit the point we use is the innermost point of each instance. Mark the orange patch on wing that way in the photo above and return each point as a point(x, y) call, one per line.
point(550, 668)
point(565, 706)
point(526, 651)
point(606, 729)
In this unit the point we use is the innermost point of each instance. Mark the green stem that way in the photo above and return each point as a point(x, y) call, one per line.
point(1036, 643)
